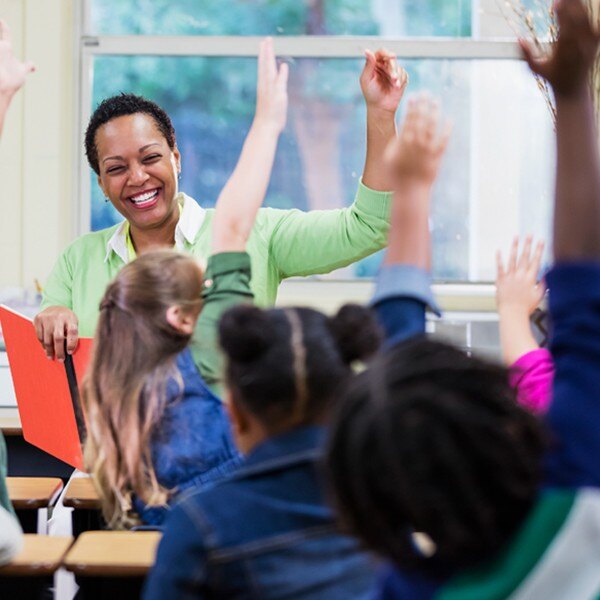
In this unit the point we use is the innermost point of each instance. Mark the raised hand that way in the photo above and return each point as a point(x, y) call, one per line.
point(13, 72)
point(382, 81)
point(413, 160)
point(416, 154)
point(271, 89)
point(517, 286)
point(568, 64)
point(518, 294)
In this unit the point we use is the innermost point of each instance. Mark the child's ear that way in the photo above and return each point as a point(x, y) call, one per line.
point(237, 417)
point(182, 321)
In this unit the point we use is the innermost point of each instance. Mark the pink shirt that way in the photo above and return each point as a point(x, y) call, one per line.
point(531, 375)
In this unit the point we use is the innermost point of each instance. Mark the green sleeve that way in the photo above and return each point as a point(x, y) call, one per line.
point(57, 291)
point(319, 241)
point(4, 499)
point(226, 284)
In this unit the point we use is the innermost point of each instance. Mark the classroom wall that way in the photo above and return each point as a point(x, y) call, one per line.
point(36, 151)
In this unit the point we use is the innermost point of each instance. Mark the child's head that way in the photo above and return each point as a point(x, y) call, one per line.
point(285, 365)
point(431, 441)
point(147, 316)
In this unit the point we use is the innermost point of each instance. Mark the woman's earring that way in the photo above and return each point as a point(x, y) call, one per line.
point(105, 198)
point(179, 176)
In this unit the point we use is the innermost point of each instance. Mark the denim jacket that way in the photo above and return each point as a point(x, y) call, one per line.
point(264, 532)
point(193, 446)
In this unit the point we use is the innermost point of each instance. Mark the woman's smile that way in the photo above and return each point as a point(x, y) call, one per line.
point(145, 199)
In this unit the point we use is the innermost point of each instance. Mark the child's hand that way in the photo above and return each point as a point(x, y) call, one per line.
point(517, 287)
point(13, 72)
point(567, 66)
point(382, 81)
point(271, 90)
point(416, 154)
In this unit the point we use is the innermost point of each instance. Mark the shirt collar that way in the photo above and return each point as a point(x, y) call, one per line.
point(191, 219)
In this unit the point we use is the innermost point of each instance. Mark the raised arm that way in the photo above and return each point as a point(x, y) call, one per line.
point(414, 158)
point(244, 193)
point(382, 82)
point(574, 283)
point(321, 241)
point(518, 294)
point(577, 203)
point(12, 72)
point(227, 279)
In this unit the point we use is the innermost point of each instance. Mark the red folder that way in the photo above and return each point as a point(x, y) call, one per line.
point(46, 390)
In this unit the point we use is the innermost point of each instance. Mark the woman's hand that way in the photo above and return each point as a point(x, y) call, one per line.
point(414, 157)
point(13, 72)
point(517, 287)
point(382, 81)
point(271, 89)
point(55, 326)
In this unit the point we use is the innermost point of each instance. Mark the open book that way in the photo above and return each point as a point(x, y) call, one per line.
point(46, 390)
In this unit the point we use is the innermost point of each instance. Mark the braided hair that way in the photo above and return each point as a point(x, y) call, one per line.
point(430, 444)
point(285, 365)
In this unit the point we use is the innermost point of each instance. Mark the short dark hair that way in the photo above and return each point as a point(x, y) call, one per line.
point(119, 106)
point(284, 365)
point(431, 440)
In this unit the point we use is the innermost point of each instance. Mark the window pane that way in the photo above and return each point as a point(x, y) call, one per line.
point(496, 178)
point(282, 17)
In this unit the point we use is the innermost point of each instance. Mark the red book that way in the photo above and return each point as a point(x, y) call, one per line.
point(46, 390)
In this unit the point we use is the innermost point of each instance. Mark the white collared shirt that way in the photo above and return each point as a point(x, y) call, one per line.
point(191, 219)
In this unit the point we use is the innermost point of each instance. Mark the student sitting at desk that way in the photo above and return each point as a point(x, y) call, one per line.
point(12, 77)
point(480, 499)
point(155, 426)
point(11, 537)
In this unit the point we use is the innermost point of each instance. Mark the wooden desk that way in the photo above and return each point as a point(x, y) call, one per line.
point(81, 494)
point(41, 555)
point(10, 422)
point(113, 553)
point(29, 493)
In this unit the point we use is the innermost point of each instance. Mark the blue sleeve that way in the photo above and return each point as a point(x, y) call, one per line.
point(401, 297)
point(180, 569)
point(574, 414)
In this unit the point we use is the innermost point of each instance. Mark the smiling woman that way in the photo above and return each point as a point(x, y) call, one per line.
point(137, 162)
point(131, 146)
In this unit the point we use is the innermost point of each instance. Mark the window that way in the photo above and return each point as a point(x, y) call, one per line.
point(496, 179)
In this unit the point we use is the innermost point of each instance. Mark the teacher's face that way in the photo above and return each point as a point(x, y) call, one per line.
point(138, 170)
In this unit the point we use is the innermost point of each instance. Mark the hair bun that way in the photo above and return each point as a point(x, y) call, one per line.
point(356, 332)
point(244, 333)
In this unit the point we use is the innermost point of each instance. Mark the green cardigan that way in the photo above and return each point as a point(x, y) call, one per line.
point(283, 243)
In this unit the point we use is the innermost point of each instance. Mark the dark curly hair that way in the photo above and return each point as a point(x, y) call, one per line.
point(431, 441)
point(119, 106)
